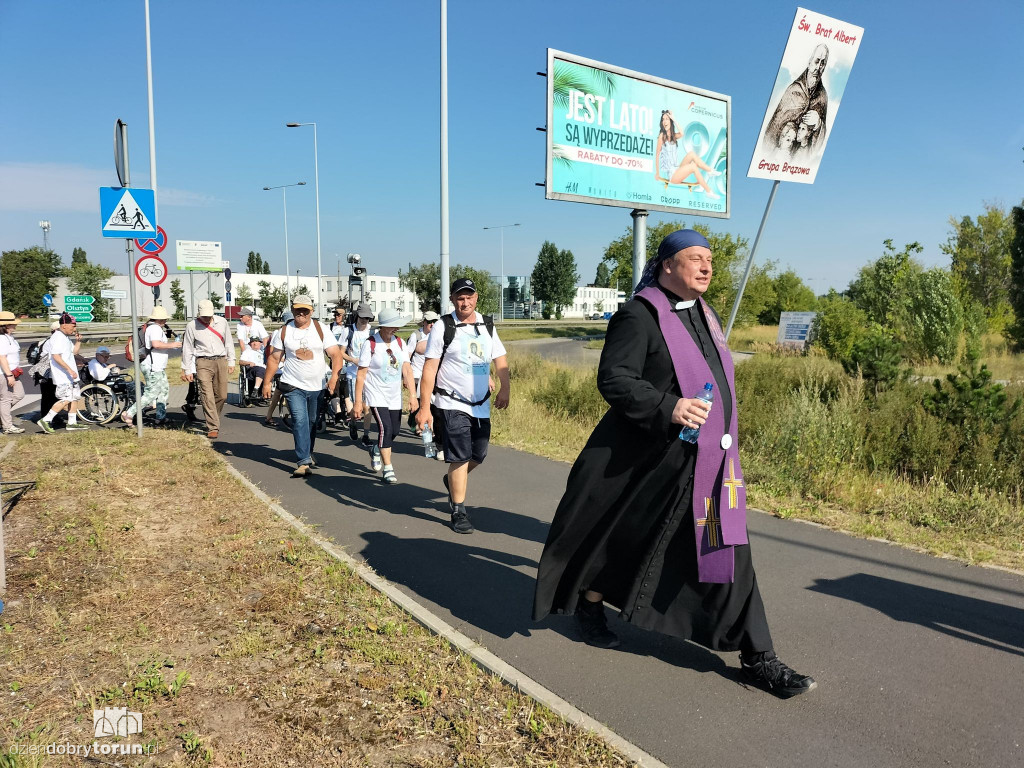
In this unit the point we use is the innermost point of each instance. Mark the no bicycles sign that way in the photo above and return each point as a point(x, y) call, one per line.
point(151, 270)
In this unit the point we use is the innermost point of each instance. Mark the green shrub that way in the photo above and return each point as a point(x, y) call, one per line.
point(877, 356)
point(572, 394)
point(840, 323)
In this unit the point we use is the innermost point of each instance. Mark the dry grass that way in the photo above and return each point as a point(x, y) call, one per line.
point(1005, 364)
point(750, 338)
point(143, 575)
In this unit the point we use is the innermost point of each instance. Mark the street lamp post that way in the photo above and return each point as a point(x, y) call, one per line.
point(501, 288)
point(316, 183)
point(284, 197)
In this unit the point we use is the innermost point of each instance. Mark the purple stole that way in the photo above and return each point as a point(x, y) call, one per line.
point(719, 496)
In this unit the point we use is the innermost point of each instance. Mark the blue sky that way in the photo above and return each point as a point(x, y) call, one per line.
point(931, 124)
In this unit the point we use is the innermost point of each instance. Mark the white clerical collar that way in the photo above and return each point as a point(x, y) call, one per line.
point(685, 304)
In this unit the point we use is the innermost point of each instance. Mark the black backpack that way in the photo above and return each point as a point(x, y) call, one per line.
point(449, 331)
point(35, 351)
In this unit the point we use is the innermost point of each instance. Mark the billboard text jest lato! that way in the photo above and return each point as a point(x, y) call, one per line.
point(622, 138)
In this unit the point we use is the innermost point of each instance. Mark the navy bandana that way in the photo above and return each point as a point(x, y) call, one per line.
point(670, 246)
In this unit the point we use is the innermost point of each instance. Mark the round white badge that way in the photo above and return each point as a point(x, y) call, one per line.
point(726, 441)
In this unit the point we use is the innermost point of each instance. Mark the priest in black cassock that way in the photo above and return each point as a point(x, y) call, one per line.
point(650, 523)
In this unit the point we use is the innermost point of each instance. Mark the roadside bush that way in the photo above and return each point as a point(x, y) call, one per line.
point(572, 395)
point(840, 323)
point(817, 433)
point(935, 319)
point(877, 356)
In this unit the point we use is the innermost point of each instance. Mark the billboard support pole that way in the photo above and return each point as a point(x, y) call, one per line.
point(191, 297)
point(445, 255)
point(750, 260)
point(639, 243)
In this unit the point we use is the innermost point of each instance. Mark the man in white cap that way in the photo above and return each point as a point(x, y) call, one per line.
point(249, 328)
point(64, 372)
point(208, 351)
point(417, 345)
point(456, 378)
point(154, 366)
point(299, 349)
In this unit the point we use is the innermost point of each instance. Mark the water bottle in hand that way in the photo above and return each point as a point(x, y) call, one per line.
point(429, 449)
point(689, 434)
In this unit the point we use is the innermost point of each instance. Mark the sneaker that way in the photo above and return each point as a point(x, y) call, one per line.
point(190, 412)
point(353, 430)
point(13, 430)
point(46, 426)
point(440, 456)
point(460, 519)
point(766, 670)
point(302, 471)
point(593, 625)
point(389, 476)
point(376, 464)
point(75, 427)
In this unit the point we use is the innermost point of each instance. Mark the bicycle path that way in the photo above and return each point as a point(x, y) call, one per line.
point(919, 659)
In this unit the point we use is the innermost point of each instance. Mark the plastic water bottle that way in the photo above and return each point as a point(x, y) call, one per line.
point(689, 434)
point(429, 449)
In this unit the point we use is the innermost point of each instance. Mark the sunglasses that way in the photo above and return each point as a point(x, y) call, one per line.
point(300, 311)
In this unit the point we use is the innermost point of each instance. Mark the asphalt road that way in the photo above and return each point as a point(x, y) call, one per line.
point(920, 660)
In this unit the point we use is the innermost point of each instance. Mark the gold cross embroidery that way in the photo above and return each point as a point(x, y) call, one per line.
point(711, 521)
point(732, 484)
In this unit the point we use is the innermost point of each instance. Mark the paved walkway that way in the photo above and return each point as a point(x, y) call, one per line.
point(919, 659)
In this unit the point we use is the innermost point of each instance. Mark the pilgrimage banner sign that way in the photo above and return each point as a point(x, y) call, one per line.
point(622, 138)
point(808, 89)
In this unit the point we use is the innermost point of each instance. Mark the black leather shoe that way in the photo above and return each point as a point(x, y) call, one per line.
point(766, 670)
point(593, 625)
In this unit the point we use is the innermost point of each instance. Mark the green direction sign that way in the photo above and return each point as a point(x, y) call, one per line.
point(81, 314)
point(78, 301)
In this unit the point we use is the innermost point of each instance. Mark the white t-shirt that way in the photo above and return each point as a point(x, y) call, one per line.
point(358, 337)
point(466, 366)
point(415, 359)
point(61, 346)
point(340, 331)
point(246, 332)
point(10, 347)
point(255, 356)
point(98, 370)
point(304, 374)
point(157, 359)
point(383, 385)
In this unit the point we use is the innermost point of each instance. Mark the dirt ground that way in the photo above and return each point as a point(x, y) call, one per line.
point(144, 576)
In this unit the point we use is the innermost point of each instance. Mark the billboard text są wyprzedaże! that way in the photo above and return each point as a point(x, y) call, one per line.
point(622, 138)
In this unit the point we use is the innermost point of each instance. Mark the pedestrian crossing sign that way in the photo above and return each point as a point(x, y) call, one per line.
point(127, 212)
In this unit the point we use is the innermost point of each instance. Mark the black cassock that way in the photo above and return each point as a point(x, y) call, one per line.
point(624, 527)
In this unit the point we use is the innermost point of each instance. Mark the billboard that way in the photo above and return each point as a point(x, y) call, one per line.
point(622, 138)
point(802, 109)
